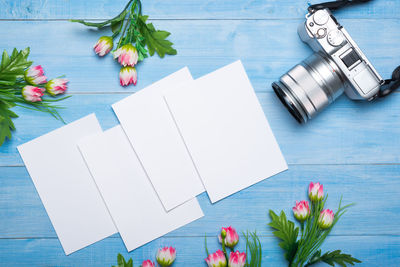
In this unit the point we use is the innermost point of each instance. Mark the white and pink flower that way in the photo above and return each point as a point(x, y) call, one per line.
point(325, 219)
point(32, 93)
point(148, 263)
point(216, 259)
point(127, 76)
point(56, 86)
point(302, 210)
point(237, 259)
point(315, 192)
point(35, 75)
point(127, 55)
point(166, 256)
point(103, 46)
point(230, 235)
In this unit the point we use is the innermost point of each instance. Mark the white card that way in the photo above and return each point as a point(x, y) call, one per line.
point(150, 128)
point(225, 130)
point(65, 186)
point(134, 205)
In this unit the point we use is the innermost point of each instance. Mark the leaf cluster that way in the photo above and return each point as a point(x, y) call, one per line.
point(137, 31)
point(253, 250)
point(122, 263)
point(303, 250)
point(12, 69)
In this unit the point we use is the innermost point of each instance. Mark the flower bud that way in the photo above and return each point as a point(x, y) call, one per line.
point(237, 259)
point(301, 211)
point(35, 75)
point(127, 55)
point(127, 75)
point(325, 219)
point(148, 263)
point(216, 259)
point(103, 45)
point(56, 86)
point(230, 235)
point(32, 93)
point(166, 256)
point(315, 192)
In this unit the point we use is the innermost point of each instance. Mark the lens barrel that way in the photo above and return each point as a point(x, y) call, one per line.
point(310, 86)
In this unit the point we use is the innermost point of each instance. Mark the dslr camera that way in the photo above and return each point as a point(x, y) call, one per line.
point(338, 65)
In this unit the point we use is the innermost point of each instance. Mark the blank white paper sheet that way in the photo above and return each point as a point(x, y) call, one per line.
point(66, 187)
point(134, 205)
point(150, 128)
point(225, 131)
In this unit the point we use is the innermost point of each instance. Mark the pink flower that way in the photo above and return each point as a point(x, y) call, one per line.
point(148, 263)
point(127, 75)
point(301, 211)
point(216, 259)
point(35, 75)
point(230, 235)
point(237, 259)
point(103, 45)
point(315, 192)
point(32, 93)
point(56, 86)
point(127, 55)
point(325, 219)
point(166, 256)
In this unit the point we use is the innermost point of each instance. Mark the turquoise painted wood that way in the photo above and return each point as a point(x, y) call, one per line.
point(352, 147)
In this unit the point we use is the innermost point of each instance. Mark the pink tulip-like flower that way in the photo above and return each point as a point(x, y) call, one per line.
point(315, 192)
point(35, 75)
point(32, 93)
point(325, 219)
point(230, 235)
point(166, 256)
point(237, 259)
point(56, 86)
point(301, 211)
point(148, 263)
point(127, 55)
point(127, 75)
point(216, 259)
point(103, 45)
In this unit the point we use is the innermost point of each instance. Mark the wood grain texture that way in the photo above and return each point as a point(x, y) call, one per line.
point(188, 9)
point(352, 147)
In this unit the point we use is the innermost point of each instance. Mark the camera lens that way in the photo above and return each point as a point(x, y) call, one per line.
point(310, 86)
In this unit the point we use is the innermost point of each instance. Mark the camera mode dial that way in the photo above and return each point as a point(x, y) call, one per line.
point(321, 17)
point(335, 37)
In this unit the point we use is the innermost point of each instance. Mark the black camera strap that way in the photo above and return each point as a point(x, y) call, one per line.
point(390, 85)
point(335, 5)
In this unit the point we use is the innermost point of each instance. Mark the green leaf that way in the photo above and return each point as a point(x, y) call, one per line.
point(338, 257)
point(12, 68)
point(155, 39)
point(99, 25)
point(333, 257)
point(6, 124)
point(116, 26)
point(253, 250)
point(286, 231)
point(130, 263)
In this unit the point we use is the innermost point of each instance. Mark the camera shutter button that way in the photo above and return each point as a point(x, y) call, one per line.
point(321, 33)
point(335, 38)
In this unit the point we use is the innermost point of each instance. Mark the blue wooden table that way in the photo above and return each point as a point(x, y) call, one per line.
point(353, 148)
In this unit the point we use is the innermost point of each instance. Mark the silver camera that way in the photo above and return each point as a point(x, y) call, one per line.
point(338, 65)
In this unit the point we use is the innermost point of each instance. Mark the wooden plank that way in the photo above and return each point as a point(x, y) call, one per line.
point(189, 9)
point(372, 250)
point(268, 49)
point(374, 189)
point(345, 133)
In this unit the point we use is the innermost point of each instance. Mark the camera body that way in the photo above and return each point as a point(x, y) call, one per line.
point(338, 65)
